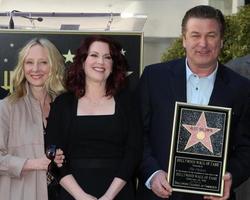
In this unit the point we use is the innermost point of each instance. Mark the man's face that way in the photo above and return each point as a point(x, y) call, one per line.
point(202, 41)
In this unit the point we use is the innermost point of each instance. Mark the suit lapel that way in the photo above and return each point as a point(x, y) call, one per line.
point(178, 81)
point(219, 96)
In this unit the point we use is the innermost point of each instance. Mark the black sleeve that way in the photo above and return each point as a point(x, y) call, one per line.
point(239, 158)
point(3, 93)
point(149, 164)
point(57, 129)
point(133, 143)
point(55, 126)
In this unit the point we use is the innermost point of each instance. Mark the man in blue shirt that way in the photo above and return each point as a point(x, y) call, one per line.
point(200, 79)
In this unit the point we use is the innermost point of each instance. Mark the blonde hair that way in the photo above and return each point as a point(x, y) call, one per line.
point(54, 83)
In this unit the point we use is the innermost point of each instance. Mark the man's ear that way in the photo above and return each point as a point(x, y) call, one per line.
point(183, 41)
point(221, 44)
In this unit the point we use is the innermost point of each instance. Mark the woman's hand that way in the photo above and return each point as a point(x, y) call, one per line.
point(88, 197)
point(36, 164)
point(69, 183)
point(114, 188)
point(104, 197)
point(59, 158)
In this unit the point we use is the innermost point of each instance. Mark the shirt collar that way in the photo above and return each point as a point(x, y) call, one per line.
point(210, 77)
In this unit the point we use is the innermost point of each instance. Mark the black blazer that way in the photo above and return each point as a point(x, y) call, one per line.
point(3, 93)
point(161, 85)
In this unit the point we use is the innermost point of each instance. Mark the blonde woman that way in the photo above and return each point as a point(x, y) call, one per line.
point(37, 80)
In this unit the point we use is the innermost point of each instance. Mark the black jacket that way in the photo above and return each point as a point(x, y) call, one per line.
point(163, 84)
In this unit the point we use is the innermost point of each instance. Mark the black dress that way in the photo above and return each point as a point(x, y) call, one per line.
point(98, 148)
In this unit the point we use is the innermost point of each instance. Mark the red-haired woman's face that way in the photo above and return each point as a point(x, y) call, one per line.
point(98, 64)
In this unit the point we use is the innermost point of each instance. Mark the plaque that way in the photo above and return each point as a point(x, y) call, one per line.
point(199, 149)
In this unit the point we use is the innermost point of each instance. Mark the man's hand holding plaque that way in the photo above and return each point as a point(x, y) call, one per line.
point(227, 186)
point(160, 185)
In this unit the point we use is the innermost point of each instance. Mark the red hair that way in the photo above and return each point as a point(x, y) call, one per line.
point(75, 75)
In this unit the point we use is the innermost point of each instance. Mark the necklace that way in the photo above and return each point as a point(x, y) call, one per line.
point(43, 111)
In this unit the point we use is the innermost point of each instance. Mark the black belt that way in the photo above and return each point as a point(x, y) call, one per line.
point(94, 163)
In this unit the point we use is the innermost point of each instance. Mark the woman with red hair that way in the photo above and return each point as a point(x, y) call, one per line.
point(96, 126)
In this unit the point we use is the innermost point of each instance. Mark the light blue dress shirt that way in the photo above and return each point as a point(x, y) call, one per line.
point(199, 89)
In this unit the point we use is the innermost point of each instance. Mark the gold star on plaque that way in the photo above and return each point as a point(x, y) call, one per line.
point(69, 57)
point(200, 133)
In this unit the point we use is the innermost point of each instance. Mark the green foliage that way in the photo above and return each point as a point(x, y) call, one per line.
point(176, 50)
point(236, 39)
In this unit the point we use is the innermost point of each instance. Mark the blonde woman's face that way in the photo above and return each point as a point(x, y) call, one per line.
point(36, 66)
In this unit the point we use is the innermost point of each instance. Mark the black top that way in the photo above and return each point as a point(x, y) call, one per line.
point(98, 136)
point(117, 135)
